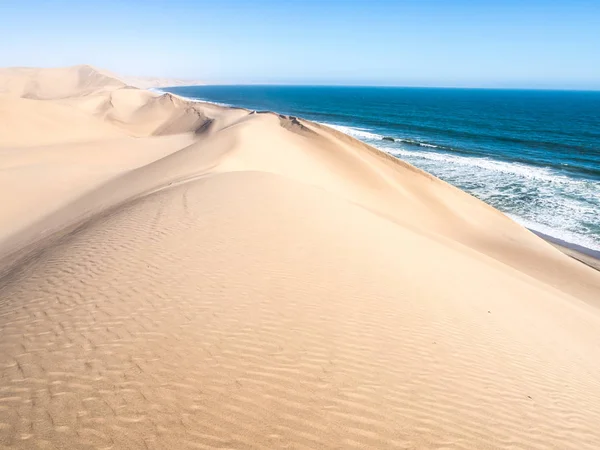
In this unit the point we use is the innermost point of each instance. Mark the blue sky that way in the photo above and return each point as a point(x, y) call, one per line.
point(504, 43)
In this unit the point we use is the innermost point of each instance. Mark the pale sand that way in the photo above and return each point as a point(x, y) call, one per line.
point(179, 275)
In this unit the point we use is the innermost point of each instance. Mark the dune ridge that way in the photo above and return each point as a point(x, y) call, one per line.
point(178, 274)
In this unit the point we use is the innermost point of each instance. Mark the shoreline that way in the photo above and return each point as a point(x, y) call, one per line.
point(585, 255)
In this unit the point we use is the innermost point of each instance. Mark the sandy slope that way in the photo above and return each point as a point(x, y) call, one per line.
point(179, 275)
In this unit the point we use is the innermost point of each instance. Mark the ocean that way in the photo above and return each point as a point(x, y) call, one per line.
point(534, 155)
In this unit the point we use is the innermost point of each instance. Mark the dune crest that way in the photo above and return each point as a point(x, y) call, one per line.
point(177, 274)
point(49, 84)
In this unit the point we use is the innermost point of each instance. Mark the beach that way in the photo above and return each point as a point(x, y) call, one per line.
point(176, 274)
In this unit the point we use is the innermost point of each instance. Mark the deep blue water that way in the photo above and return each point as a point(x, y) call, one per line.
point(535, 155)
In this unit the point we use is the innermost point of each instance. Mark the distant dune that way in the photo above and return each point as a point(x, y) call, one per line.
point(180, 275)
point(156, 82)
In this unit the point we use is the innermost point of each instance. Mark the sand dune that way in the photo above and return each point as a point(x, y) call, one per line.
point(45, 84)
point(157, 82)
point(181, 275)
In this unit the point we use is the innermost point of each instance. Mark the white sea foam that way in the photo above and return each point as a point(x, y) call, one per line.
point(538, 198)
point(225, 105)
point(558, 233)
point(191, 99)
point(423, 144)
point(358, 133)
point(521, 170)
point(199, 100)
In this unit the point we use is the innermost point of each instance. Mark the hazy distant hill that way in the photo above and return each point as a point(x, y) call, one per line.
point(154, 82)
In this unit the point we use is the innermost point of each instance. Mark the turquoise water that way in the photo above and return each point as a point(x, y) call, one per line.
point(535, 155)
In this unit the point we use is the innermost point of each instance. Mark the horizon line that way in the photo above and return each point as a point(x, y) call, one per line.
point(497, 88)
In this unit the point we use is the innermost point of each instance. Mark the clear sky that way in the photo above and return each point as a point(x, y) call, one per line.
point(478, 43)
